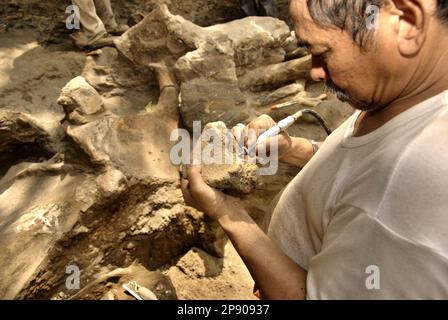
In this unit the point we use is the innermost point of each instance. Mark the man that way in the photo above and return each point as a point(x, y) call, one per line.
point(259, 7)
point(97, 19)
point(367, 217)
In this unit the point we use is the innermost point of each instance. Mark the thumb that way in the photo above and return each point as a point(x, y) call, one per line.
point(195, 179)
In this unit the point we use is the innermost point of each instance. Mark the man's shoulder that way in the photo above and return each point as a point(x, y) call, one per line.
point(414, 204)
point(419, 180)
point(427, 151)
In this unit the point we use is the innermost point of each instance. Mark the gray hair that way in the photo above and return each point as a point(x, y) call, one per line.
point(442, 6)
point(352, 16)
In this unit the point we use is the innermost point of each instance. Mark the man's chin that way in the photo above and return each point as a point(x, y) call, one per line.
point(356, 104)
point(343, 96)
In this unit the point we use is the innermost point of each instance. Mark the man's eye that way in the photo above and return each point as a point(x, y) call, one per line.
point(323, 55)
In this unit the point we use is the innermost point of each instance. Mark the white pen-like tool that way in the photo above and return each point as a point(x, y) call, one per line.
point(131, 291)
point(277, 129)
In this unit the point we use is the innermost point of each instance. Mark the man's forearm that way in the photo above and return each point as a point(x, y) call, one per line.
point(301, 152)
point(276, 275)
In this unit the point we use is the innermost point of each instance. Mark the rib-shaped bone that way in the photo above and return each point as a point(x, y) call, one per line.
point(274, 76)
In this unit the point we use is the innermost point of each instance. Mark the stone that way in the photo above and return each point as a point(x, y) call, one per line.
point(208, 62)
point(234, 179)
point(282, 93)
point(92, 231)
point(111, 182)
point(198, 263)
point(80, 96)
point(256, 40)
point(208, 101)
point(21, 128)
point(276, 75)
point(138, 146)
point(32, 224)
point(159, 36)
point(230, 171)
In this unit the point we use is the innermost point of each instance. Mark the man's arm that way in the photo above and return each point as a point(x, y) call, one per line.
point(292, 150)
point(276, 275)
point(301, 151)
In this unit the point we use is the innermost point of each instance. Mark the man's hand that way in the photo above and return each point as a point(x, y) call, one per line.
point(248, 135)
point(293, 150)
point(201, 196)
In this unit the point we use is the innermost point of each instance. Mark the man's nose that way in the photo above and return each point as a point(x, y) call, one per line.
point(318, 70)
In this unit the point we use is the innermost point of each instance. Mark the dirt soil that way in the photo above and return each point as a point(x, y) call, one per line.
point(232, 282)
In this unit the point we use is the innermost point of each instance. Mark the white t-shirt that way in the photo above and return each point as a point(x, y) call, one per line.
point(372, 211)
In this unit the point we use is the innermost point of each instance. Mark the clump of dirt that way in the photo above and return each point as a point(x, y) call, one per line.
point(224, 164)
point(198, 276)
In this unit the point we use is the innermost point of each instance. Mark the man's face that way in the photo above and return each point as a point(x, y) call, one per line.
point(354, 76)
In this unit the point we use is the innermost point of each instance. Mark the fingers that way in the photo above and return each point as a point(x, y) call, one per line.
point(189, 184)
point(251, 133)
point(253, 130)
point(238, 132)
point(196, 182)
point(252, 137)
point(246, 133)
point(185, 187)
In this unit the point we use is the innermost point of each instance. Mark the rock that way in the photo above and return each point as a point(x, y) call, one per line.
point(235, 179)
point(282, 93)
point(45, 16)
point(209, 61)
point(252, 41)
point(197, 263)
point(224, 167)
point(159, 36)
point(111, 182)
point(20, 128)
point(276, 75)
point(36, 211)
point(291, 43)
point(80, 96)
point(98, 75)
point(92, 231)
point(256, 40)
point(78, 119)
point(208, 101)
point(138, 146)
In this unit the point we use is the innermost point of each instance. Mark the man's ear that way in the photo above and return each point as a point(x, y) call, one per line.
point(412, 25)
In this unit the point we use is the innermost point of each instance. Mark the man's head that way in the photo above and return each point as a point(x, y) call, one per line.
point(372, 52)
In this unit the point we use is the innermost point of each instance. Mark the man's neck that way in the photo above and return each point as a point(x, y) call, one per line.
point(433, 81)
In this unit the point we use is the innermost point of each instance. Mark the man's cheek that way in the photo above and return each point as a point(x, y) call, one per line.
point(346, 80)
